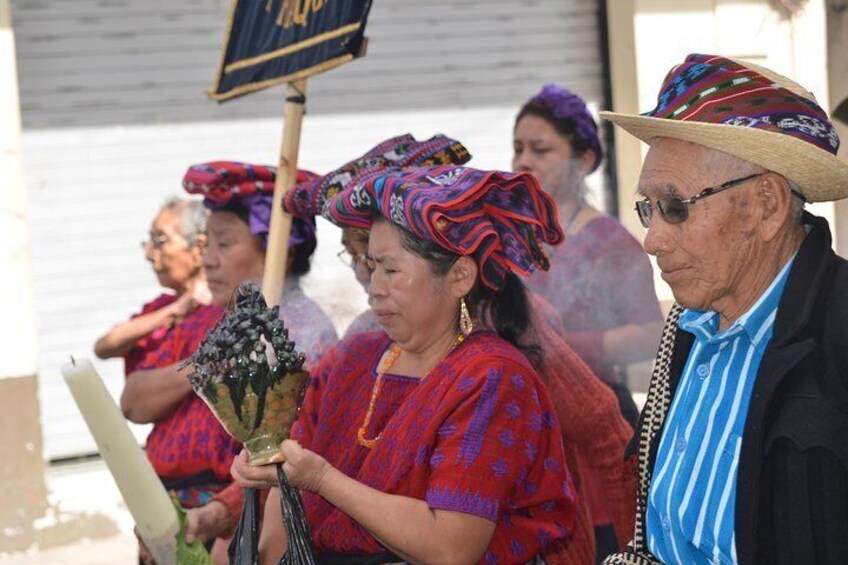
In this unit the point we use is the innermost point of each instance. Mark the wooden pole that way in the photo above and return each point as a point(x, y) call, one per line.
point(276, 255)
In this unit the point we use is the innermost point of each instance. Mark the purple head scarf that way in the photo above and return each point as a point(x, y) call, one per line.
point(565, 105)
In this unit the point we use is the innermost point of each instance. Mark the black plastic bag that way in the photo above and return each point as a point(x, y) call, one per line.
point(300, 549)
point(244, 548)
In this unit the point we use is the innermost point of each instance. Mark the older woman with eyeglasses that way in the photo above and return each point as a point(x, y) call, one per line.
point(174, 250)
point(355, 243)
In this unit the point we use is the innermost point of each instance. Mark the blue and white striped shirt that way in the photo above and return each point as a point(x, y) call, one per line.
point(692, 499)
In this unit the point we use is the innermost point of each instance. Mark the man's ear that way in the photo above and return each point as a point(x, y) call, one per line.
point(462, 276)
point(775, 195)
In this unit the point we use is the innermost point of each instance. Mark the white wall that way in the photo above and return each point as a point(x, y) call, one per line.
point(18, 354)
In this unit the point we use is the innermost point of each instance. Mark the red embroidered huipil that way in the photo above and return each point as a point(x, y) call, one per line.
point(478, 435)
point(190, 439)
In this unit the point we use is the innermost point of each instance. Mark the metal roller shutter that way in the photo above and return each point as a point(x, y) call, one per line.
point(112, 94)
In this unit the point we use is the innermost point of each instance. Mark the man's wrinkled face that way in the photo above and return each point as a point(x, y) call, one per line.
point(706, 260)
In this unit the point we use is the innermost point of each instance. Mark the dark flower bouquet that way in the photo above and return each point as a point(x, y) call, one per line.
point(251, 376)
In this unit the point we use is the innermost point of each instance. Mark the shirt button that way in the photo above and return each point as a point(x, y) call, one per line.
point(703, 370)
point(680, 445)
point(665, 524)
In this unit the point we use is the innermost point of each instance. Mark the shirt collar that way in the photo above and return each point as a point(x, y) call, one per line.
point(757, 322)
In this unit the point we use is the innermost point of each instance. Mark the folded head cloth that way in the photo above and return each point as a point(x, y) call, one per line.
point(749, 112)
point(224, 182)
point(501, 219)
point(306, 199)
point(565, 105)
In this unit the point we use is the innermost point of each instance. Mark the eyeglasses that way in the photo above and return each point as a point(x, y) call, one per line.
point(675, 210)
point(155, 241)
point(349, 259)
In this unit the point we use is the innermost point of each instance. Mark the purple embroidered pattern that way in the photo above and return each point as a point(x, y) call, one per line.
point(500, 468)
point(513, 409)
point(507, 438)
point(472, 440)
point(463, 501)
point(189, 440)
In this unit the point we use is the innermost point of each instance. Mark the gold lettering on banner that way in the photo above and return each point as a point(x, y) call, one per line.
point(296, 12)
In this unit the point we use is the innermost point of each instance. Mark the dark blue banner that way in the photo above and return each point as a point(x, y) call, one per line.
point(275, 41)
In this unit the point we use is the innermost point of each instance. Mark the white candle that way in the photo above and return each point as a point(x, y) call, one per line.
point(146, 498)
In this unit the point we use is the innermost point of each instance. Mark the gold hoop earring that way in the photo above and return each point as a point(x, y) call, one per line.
point(466, 324)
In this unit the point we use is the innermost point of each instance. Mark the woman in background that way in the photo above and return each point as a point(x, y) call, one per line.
point(600, 281)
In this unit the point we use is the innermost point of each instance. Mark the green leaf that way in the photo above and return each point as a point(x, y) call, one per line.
point(194, 554)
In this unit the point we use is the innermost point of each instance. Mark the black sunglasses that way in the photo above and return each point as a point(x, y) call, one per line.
point(675, 210)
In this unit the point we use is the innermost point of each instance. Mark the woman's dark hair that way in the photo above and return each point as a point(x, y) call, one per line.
point(301, 254)
point(507, 309)
point(237, 208)
point(564, 126)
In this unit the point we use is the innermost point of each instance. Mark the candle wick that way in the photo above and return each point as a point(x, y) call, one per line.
point(73, 361)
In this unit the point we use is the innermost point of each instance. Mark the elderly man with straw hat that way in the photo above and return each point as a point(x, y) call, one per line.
point(743, 442)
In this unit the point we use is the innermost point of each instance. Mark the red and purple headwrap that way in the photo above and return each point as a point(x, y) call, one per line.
point(306, 199)
point(565, 105)
point(224, 182)
point(501, 219)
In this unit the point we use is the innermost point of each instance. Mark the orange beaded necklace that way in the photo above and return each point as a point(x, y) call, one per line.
point(394, 353)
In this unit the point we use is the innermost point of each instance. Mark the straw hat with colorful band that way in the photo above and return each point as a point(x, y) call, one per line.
point(501, 219)
point(307, 198)
point(252, 186)
point(751, 113)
